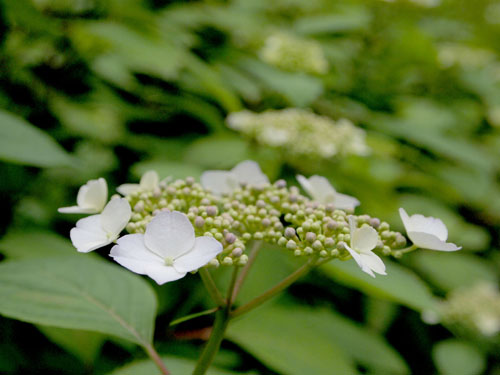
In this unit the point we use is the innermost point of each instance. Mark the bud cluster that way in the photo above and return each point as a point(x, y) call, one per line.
point(273, 213)
point(300, 133)
point(474, 310)
point(294, 54)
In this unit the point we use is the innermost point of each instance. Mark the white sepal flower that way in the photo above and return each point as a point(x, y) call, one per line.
point(100, 230)
point(427, 232)
point(320, 189)
point(225, 182)
point(167, 250)
point(91, 198)
point(363, 241)
point(149, 182)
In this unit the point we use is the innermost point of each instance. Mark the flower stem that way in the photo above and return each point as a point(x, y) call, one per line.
point(398, 253)
point(153, 354)
point(254, 251)
point(213, 344)
point(282, 285)
point(211, 287)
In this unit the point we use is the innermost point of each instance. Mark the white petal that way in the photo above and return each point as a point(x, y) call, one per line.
point(373, 262)
point(249, 172)
point(76, 210)
point(431, 242)
point(149, 180)
point(127, 189)
point(204, 250)
point(93, 194)
point(219, 182)
point(345, 202)
point(364, 239)
point(88, 234)
point(306, 185)
point(132, 253)
point(115, 217)
point(359, 261)
point(420, 223)
point(169, 234)
point(319, 188)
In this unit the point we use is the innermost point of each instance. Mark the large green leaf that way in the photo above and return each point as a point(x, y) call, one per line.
point(456, 357)
point(290, 341)
point(34, 243)
point(79, 293)
point(22, 143)
point(400, 285)
point(451, 272)
point(176, 366)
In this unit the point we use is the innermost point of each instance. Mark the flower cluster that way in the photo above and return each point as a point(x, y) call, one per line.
point(178, 226)
point(300, 133)
point(473, 310)
point(294, 54)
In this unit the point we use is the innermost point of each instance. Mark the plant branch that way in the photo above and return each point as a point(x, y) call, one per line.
point(211, 287)
point(282, 285)
point(153, 354)
point(254, 251)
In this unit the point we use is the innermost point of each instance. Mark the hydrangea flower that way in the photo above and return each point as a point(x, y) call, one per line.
point(91, 198)
point(225, 182)
point(100, 230)
point(149, 182)
point(363, 241)
point(427, 232)
point(320, 189)
point(167, 250)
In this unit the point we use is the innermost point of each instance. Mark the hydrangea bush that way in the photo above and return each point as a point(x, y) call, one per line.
point(182, 226)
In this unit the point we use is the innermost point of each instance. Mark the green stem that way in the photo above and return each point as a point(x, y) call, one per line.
point(282, 285)
point(398, 253)
point(229, 297)
point(211, 287)
point(213, 344)
point(153, 354)
point(254, 251)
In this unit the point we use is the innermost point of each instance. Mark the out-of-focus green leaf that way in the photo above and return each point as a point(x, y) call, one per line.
point(456, 357)
point(166, 168)
point(400, 285)
point(175, 365)
point(23, 143)
point(78, 293)
point(217, 152)
point(454, 271)
point(346, 21)
point(290, 341)
point(21, 244)
point(298, 88)
point(83, 344)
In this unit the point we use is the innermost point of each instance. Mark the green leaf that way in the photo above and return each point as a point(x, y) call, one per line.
point(167, 168)
point(20, 244)
point(79, 293)
point(400, 285)
point(23, 143)
point(456, 357)
point(290, 341)
point(217, 152)
point(175, 365)
point(351, 19)
point(454, 271)
point(85, 345)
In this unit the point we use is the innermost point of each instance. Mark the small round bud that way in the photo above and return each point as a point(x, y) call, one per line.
point(227, 261)
point(323, 253)
point(374, 222)
point(341, 245)
point(289, 232)
point(297, 253)
point(291, 245)
point(258, 235)
point(230, 238)
point(260, 203)
point(386, 250)
point(329, 242)
point(189, 181)
point(310, 237)
point(218, 236)
point(334, 253)
point(282, 241)
point(211, 210)
point(214, 262)
point(308, 250)
point(265, 222)
point(237, 252)
point(246, 236)
point(243, 260)
point(139, 206)
point(280, 184)
point(317, 245)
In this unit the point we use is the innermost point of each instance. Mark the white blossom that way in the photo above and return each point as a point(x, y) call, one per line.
point(100, 230)
point(320, 189)
point(225, 182)
point(91, 198)
point(167, 250)
point(363, 241)
point(149, 182)
point(427, 232)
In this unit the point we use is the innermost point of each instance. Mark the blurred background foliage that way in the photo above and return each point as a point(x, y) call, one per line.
point(113, 88)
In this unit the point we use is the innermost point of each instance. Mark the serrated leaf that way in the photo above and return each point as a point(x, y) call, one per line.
point(23, 143)
point(290, 343)
point(400, 285)
point(78, 293)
